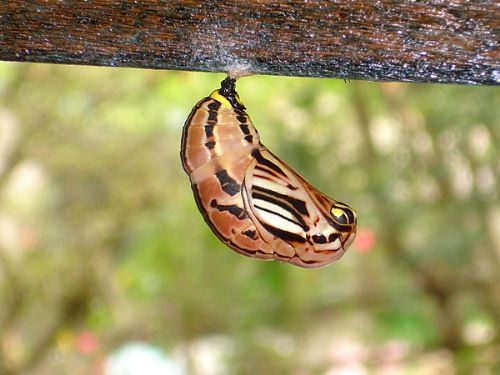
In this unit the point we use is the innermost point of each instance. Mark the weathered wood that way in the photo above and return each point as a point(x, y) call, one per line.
point(407, 40)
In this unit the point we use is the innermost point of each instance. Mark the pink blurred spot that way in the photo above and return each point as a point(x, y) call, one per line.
point(86, 342)
point(28, 237)
point(365, 240)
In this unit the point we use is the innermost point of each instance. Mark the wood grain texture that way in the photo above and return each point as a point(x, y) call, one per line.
point(419, 41)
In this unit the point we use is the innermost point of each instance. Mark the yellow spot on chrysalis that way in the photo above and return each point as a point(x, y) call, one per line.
point(215, 95)
point(337, 212)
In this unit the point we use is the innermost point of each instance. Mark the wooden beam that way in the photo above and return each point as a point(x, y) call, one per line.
point(406, 40)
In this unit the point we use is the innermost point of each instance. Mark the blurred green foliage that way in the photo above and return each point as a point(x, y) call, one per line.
point(99, 230)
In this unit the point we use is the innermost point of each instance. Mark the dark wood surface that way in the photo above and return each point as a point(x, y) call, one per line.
point(419, 41)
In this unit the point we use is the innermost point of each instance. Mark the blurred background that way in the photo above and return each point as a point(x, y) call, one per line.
point(107, 268)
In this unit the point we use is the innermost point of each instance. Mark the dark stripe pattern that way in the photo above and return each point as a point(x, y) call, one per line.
point(231, 208)
point(227, 183)
point(289, 211)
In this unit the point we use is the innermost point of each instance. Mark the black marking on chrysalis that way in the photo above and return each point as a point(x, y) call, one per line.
point(209, 131)
point(214, 106)
point(227, 183)
point(283, 234)
point(251, 234)
point(231, 208)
